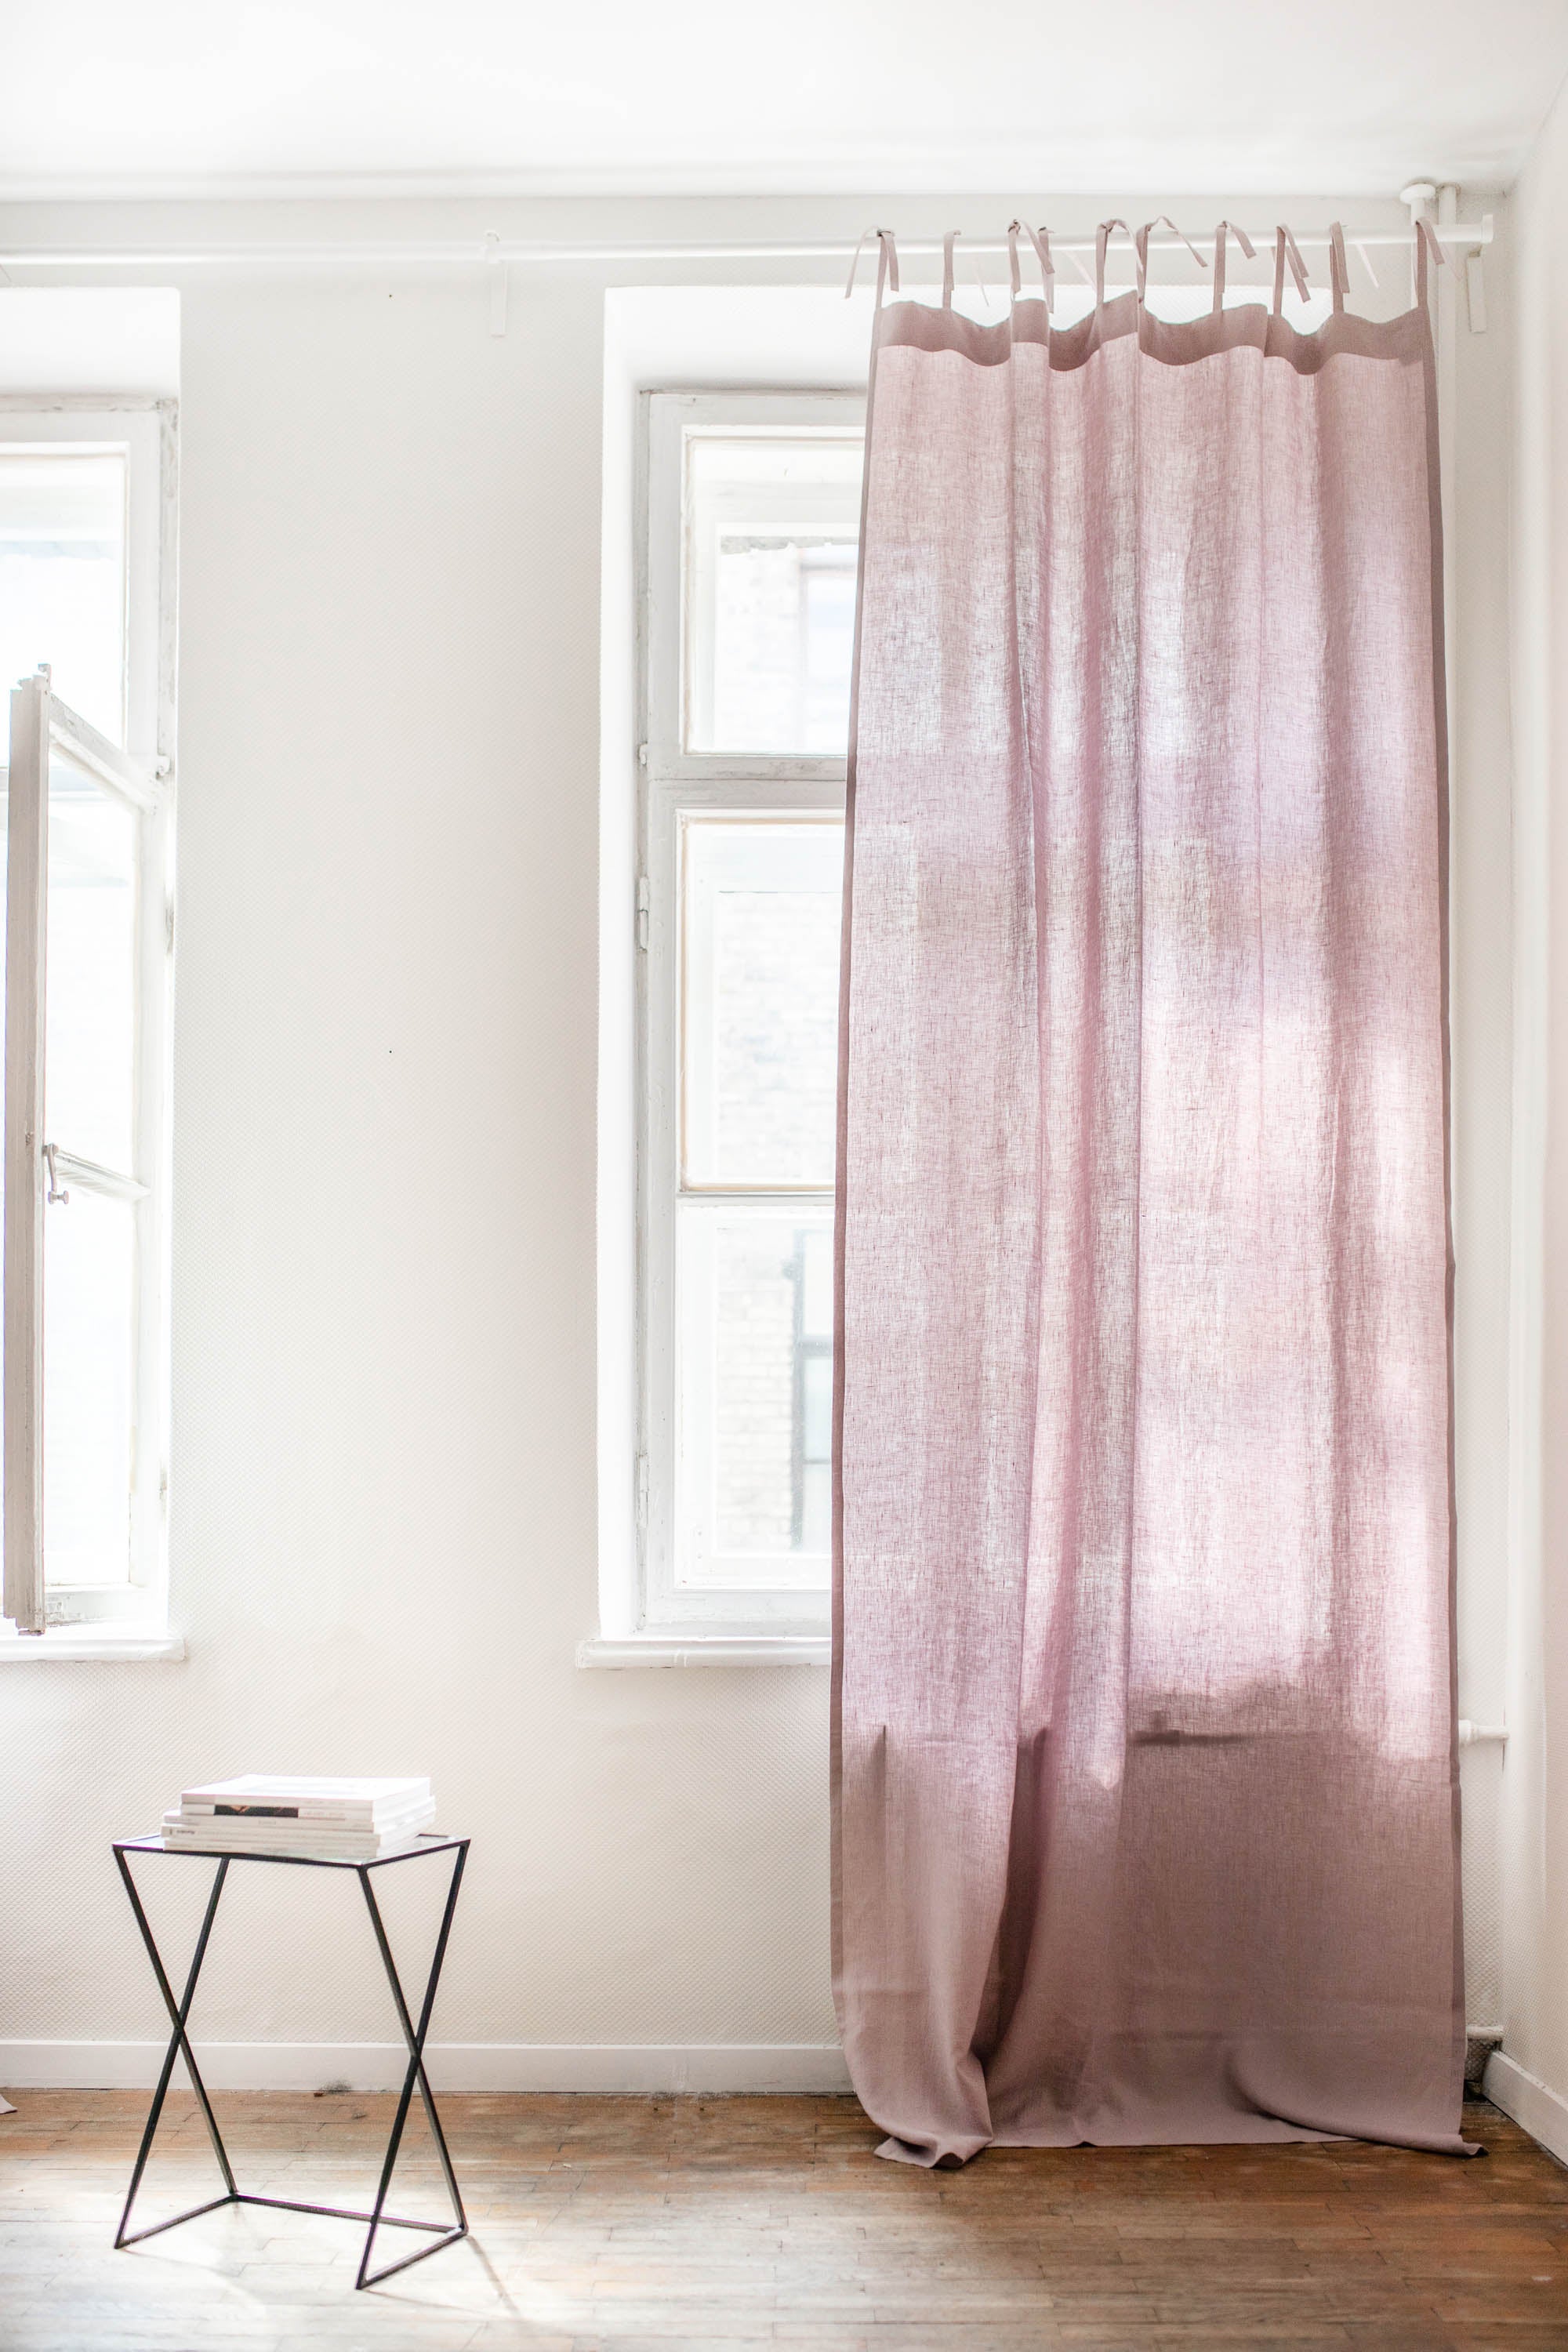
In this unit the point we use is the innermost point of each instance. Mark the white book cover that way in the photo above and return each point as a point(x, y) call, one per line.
point(291, 1796)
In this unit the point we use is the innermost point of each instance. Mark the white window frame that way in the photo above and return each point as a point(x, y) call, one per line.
point(142, 775)
point(674, 784)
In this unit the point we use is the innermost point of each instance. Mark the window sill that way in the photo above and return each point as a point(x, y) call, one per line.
point(707, 1649)
point(63, 1644)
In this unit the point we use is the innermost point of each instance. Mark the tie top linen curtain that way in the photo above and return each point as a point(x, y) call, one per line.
point(1144, 1774)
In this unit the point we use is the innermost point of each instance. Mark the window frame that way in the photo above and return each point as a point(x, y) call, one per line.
point(142, 773)
point(673, 784)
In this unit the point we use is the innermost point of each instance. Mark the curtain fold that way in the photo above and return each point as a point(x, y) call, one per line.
point(1144, 1768)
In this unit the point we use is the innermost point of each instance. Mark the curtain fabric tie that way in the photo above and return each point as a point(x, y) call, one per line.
point(1040, 238)
point(1101, 239)
point(1140, 245)
point(1227, 229)
point(1287, 249)
point(886, 262)
point(1287, 254)
point(1426, 242)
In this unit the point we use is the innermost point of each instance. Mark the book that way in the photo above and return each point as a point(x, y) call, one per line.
point(265, 1822)
point(295, 1797)
point(290, 1849)
point(263, 1830)
point(285, 1837)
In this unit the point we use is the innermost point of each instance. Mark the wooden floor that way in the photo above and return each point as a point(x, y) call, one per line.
point(640, 2225)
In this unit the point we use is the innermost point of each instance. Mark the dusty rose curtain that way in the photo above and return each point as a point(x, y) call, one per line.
point(1143, 1722)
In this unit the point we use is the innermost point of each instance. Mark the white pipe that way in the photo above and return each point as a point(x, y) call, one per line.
point(459, 252)
point(1478, 1735)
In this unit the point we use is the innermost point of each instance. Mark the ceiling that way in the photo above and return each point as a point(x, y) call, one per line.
point(405, 97)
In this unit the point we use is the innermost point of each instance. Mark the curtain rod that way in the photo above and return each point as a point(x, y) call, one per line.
point(494, 248)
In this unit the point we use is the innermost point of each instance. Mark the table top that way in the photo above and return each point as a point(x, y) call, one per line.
point(429, 1841)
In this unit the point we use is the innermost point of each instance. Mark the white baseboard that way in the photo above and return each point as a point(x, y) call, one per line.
point(631, 2067)
point(1542, 2112)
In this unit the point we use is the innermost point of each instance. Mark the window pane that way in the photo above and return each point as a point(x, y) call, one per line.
point(89, 1270)
point(92, 970)
point(756, 1386)
point(762, 904)
point(773, 525)
point(62, 576)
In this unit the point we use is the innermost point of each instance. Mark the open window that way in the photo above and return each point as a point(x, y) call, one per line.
point(88, 945)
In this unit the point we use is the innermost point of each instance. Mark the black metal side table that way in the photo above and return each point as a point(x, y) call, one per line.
point(445, 2233)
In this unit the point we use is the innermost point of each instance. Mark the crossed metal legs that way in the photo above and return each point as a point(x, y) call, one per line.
point(443, 2234)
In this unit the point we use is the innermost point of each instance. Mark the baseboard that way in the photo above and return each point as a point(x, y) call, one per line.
point(1542, 2111)
point(630, 2067)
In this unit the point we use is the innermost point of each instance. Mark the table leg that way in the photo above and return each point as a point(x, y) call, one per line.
point(415, 2037)
point(179, 2044)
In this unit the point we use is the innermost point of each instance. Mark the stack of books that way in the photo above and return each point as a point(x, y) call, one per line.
point(274, 1813)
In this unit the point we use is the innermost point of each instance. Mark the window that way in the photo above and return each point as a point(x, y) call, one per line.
point(85, 614)
point(753, 516)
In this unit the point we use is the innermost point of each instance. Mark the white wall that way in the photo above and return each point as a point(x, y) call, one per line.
point(1532, 2077)
point(384, 1478)
point(385, 1504)
point(1476, 378)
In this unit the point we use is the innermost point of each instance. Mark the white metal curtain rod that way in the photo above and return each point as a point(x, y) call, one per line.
point(463, 252)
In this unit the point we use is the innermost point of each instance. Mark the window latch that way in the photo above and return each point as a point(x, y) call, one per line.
point(54, 1191)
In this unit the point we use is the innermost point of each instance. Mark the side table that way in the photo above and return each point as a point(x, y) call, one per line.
point(443, 2233)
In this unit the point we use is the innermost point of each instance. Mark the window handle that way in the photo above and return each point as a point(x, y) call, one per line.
point(55, 1193)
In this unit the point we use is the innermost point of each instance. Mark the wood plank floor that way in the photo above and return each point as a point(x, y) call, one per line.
point(642, 2225)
